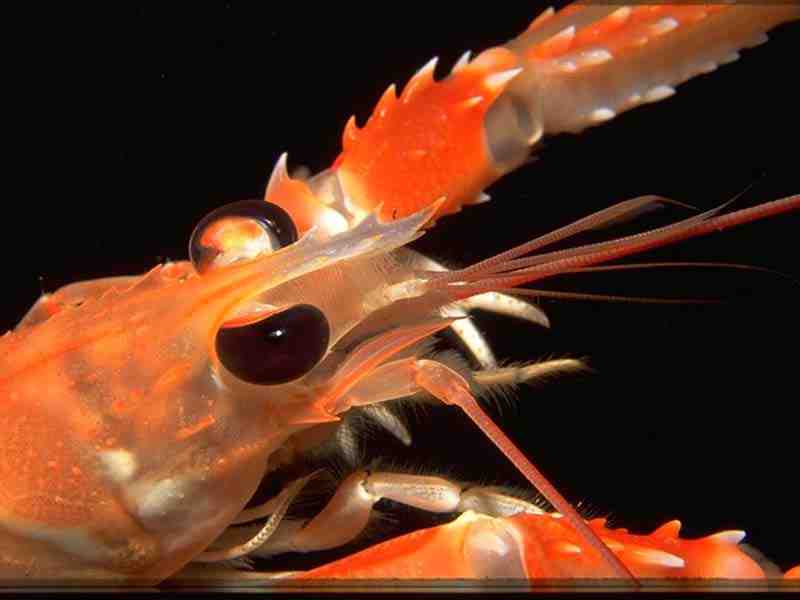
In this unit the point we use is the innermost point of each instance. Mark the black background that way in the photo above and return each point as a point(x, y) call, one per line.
point(126, 124)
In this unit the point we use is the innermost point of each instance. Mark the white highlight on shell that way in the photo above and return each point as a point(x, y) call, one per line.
point(658, 557)
point(567, 66)
point(428, 67)
point(599, 115)
point(621, 14)
point(333, 222)
point(543, 17)
point(489, 541)
point(658, 93)
point(496, 82)
point(707, 67)
point(761, 38)
point(462, 62)
point(663, 26)
point(732, 57)
point(159, 498)
point(120, 465)
point(563, 36)
point(567, 548)
point(591, 58)
point(613, 544)
point(472, 102)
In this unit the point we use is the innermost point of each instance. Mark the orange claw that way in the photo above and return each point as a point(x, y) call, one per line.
point(429, 143)
point(793, 573)
point(537, 547)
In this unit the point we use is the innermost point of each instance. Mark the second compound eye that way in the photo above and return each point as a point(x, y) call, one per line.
point(278, 349)
point(240, 231)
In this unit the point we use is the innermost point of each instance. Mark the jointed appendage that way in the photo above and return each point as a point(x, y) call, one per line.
point(140, 415)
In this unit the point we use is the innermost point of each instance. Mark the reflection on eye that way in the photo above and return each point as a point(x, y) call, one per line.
point(240, 231)
point(278, 349)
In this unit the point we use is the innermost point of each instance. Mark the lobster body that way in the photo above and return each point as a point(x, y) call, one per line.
point(98, 469)
point(146, 448)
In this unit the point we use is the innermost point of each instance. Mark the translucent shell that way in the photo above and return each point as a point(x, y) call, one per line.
point(240, 231)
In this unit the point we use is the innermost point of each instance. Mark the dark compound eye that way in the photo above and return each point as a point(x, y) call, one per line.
point(279, 349)
point(240, 230)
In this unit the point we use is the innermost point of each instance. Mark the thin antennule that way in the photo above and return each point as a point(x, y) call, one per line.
point(595, 220)
point(593, 297)
point(608, 297)
point(469, 282)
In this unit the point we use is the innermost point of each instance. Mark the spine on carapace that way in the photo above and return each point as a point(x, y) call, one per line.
point(569, 70)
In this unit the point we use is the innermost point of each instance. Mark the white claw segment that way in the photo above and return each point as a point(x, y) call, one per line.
point(732, 536)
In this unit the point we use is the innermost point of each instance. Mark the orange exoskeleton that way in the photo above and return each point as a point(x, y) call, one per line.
point(142, 414)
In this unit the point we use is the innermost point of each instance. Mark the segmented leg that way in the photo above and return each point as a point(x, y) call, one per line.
point(283, 501)
point(527, 373)
point(346, 515)
point(411, 375)
point(494, 302)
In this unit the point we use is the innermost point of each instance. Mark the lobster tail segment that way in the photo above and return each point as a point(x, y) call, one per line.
point(591, 61)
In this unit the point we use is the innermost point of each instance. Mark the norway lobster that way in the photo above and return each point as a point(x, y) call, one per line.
point(173, 396)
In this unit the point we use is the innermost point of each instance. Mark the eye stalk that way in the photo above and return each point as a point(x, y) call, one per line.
point(278, 349)
point(240, 231)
